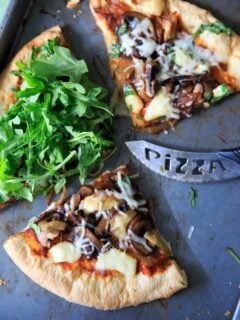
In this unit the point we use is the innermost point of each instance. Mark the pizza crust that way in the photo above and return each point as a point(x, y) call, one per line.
point(90, 290)
point(7, 80)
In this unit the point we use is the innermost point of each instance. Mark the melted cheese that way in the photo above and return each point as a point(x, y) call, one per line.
point(119, 224)
point(141, 32)
point(185, 58)
point(97, 202)
point(127, 44)
point(134, 102)
point(161, 106)
point(115, 259)
point(147, 47)
point(65, 252)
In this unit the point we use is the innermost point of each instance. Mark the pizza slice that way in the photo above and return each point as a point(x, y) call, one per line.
point(170, 58)
point(100, 248)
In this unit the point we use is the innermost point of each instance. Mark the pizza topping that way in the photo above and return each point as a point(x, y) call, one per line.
point(139, 40)
point(161, 106)
point(65, 252)
point(52, 228)
point(158, 49)
point(133, 101)
point(140, 244)
point(115, 259)
point(34, 226)
point(217, 28)
point(108, 223)
point(119, 224)
point(219, 93)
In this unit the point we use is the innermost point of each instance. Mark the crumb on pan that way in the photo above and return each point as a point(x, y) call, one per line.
point(228, 313)
point(2, 282)
point(72, 4)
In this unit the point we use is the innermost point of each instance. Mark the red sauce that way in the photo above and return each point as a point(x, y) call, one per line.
point(33, 243)
point(162, 262)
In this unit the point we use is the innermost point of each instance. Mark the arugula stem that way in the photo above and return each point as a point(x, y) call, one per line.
point(68, 158)
point(234, 254)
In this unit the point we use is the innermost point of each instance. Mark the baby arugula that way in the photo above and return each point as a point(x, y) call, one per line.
point(59, 125)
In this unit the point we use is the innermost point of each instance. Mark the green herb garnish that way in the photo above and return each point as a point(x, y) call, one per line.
point(58, 127)
point(116, 50)
point(128, 90)
point(35, 227)
point(194, 196)
point(122, 29)
point(208, 97)
point(170, 50)
point(233, 253)
point(222, 92)
point(217, 28)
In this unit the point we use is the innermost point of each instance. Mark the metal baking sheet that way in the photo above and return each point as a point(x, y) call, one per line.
point(213, 274)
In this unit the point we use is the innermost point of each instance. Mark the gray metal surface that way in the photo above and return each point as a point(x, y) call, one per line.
point(213, 274)
point(12, 13)
point(187, 166)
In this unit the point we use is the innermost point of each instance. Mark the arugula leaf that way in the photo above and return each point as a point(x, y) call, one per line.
point(218, 94)
point(194, 196)
point(217, 28)
point(122, 29)
point(59, 126)
point(35, 227)
point(60, 64)
point(233, 253)
point(116, 50)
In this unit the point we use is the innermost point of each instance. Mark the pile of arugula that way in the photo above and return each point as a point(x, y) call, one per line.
point(58, 127)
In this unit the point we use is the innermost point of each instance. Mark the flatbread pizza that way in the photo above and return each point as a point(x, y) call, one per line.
point(99, 248)
point(169, 57)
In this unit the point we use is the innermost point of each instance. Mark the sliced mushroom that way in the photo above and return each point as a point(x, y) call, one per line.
point(53, 228)
point(74, 217)
point(91, 236)
point(150, 82)
point(157, 21)
point(102, 227)
point(85, 191)
point(52, 214)
point(74, 201)
point(149, 260)
point(136, 229)
point(140, 224)
point(144, 79)
point(170, 26)
point(106, 181)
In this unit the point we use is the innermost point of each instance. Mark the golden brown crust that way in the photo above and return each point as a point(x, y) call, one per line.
point(147, 7)
point(94, 291)
point(7, 80)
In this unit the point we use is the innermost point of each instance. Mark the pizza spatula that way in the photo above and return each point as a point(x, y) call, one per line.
point(187, 166)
